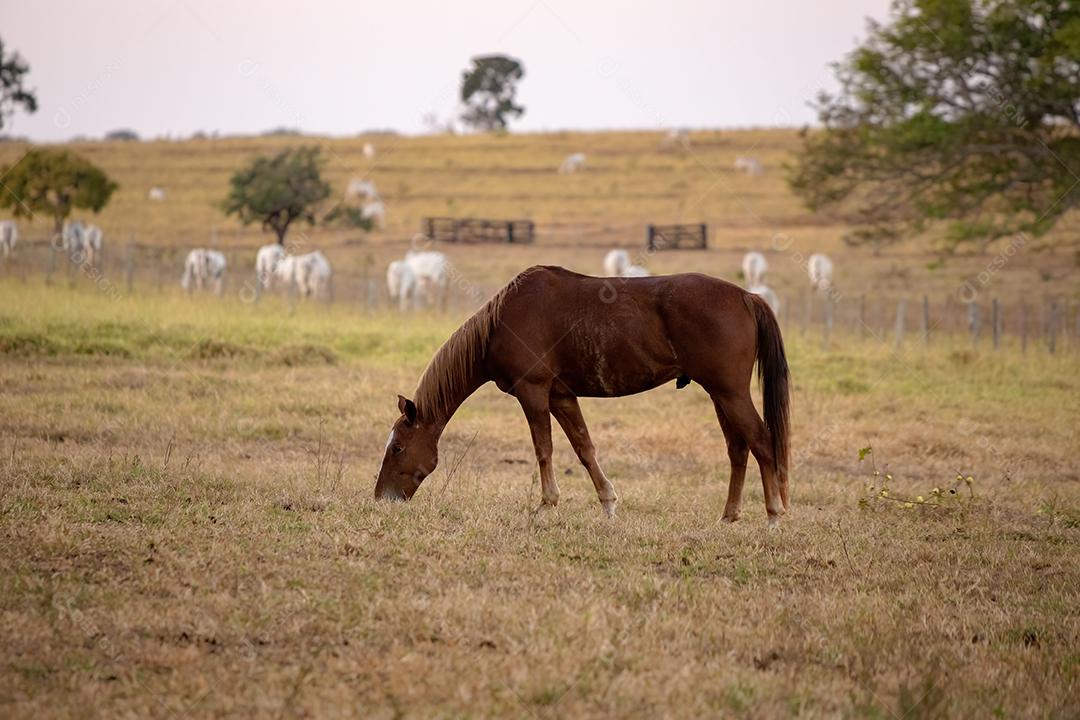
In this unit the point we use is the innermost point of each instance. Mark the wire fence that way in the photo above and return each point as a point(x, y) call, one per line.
point(1048, 324)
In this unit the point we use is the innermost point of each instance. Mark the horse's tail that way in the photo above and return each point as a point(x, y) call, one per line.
point(773, 375)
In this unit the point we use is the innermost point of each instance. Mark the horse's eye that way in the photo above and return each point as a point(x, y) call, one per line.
point(397, 450)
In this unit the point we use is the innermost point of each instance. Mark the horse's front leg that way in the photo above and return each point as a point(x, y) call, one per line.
point(534, 403)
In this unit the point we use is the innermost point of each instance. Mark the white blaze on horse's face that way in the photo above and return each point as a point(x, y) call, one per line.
point(411, 454)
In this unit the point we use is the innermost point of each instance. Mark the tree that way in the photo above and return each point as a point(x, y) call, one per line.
point(12, 91)
point(53, 182)
point(960, 115)
point(488, 90)
point(278, 190)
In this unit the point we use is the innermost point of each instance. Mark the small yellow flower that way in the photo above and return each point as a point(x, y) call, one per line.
point(919, 499)
point(908, 505)
point(969, 479)
point(884, 493)
point(959, 478)
point(935, 492)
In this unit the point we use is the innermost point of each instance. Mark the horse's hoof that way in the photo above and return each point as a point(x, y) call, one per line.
point(609, 508)
point(544, 507)
point(729, 518)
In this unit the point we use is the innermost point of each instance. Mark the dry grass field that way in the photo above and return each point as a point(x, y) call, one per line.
point(187, 526)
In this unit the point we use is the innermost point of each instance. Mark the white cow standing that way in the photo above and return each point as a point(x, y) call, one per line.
point(374, 211)
point(768, 295)
point(754, 267)
point(82, 243)
point(749, 165)
point(266, 262)
point(361, 189)
point(615, 262)
point(310, 273)
point(572, 163)
point(676, 137)
point(369, 150)
point(401, 282)
point(635, 271)
point(9, 235)
point(203, 267)
point(820, 269)
point(157, 194)
point(432, 271)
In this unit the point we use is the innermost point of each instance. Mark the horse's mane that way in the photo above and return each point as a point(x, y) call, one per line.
point(450, 370)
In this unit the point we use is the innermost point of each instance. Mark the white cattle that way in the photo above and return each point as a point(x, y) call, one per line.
point(310, 273)
point(374, 211)
point(157, 194)
point(753, 268)
point(635, 271)
point(432, 272)
point(615, 262)
point(9, 235)
point(749, 165)
point(572, 163)
point(676, 137)
point(361, 189)
point(401, 282)
point(203, 267)
point(266, 263)
point(768, 295)
point(369, 150)
point(82, 243)
point(820, 269)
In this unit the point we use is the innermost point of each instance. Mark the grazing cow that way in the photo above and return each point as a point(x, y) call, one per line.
point(157, 194)
point(374, 211)
point(753, 268)
point(432, 272)
point(361, 189)
point(615, 262)
point(749, 165)
point(635, 271)
point(820, 269)
point(766, 293)
point(676, 137)
point(572, 164)
point(310, 272)
point(82, 243)
point(266, 263)
point(203, 267)
point(401, 282)
point(9, 235)
point(369, 150)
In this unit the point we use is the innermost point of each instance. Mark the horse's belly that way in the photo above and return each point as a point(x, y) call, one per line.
point(618, 365)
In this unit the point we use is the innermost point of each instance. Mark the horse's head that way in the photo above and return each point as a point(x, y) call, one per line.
point(412, 452)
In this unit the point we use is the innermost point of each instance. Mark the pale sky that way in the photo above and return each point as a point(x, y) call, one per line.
point(338, 68)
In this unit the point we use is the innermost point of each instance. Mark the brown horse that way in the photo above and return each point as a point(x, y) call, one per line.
point(552, 336)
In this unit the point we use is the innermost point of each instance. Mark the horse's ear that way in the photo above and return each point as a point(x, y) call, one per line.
point(407, 408)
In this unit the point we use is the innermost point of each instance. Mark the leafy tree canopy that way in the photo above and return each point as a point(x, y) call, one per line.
point(488, 90)
point(12, 90)
point(281, 189)
point(963, 114)
point(53, 182)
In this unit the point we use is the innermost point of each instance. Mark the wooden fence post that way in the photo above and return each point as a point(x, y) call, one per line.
point(129, 265)
point(901, 311)
point(995, 319)
point(1053, 326)
point(925, 320)
point(828, 323)
point(974, 323)
point(1023, 327)
point(862, 317)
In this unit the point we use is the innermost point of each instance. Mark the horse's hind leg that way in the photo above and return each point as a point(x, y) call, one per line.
point(534, 403)
point(567, 411)
point(740, 412)
point(738, 453)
